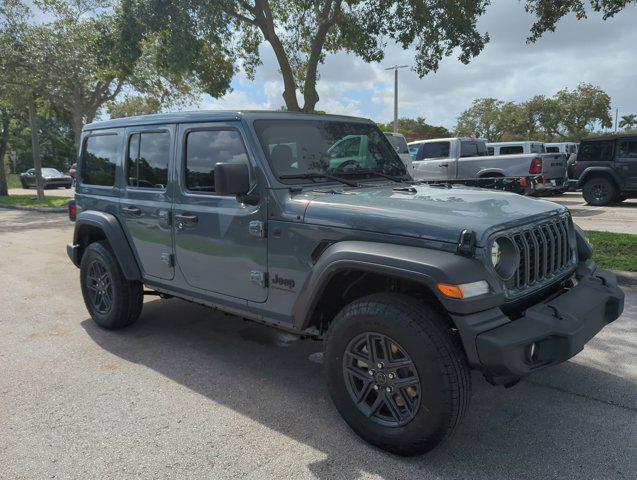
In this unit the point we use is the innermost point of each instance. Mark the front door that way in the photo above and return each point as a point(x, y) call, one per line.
point(433, 162)
point(220, 243)
point(626, 162)
point(147, 198)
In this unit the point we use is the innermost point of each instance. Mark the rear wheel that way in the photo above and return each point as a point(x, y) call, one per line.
point(396, 373)
point(599, 191)
point(111, 299)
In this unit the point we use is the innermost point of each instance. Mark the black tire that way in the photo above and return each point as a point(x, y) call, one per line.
point(599, 191)
point(126, 297)
point(621, 198)
point(24, 183)
point(426, 338)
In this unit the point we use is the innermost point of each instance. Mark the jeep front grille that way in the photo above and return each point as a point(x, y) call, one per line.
point(546, 252)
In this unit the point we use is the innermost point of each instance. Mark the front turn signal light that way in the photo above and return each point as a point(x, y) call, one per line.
point(464, 290)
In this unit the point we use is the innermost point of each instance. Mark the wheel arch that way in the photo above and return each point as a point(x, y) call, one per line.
point(351, 269)
point(92, 226)
point(491, 172)
point(601, 172)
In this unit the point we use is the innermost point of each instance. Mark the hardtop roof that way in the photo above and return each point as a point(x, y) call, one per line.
point(610, 136)
point(214, 115)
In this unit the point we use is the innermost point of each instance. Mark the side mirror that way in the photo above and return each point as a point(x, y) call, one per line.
point(232, 179)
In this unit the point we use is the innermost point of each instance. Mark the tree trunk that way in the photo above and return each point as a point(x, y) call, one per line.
point(35, 146)
point(78, 124)
point(310, 95)
point(4, 140)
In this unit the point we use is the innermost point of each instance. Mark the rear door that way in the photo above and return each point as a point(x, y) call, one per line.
point(553, 166)
point(433, 161)
point(146, 199)
point(626, 163)
point(220, 243)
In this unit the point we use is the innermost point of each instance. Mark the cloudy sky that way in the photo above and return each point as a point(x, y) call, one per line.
point(595, 51)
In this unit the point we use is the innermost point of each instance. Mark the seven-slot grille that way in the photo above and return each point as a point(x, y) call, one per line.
point(545, 252)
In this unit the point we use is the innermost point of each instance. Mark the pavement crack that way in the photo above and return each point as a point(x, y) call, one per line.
point(582, 395)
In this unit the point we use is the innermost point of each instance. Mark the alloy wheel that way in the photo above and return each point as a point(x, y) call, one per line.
point(100, 287)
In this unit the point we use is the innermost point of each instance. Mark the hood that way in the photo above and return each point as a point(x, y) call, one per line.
point(435, 213)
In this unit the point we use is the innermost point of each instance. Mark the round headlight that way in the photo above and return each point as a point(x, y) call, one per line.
point(495, 254)
point(504, 257)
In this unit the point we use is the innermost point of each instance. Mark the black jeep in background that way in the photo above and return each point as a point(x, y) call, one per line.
point(606, 168)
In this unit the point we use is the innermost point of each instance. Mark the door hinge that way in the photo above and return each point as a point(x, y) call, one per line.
point(258, 277)
point(257, 228)
point(165, 217)
point(168, 259)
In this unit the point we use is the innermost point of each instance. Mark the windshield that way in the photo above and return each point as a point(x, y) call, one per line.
point(398, 142)
point(50, 171)
point(310, 147)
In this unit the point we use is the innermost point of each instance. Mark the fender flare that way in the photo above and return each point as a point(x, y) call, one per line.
point(595, 170)
point(422, 265)
point(114, 233)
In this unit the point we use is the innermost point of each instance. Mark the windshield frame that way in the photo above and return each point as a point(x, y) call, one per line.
point(395, 164)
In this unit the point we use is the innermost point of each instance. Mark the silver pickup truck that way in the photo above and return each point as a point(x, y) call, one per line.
point(468, 158)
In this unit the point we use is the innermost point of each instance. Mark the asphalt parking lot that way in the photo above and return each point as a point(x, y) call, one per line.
point(618, 218)
point(190, 393)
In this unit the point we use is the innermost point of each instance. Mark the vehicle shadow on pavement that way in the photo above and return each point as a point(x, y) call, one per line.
point(560, 425)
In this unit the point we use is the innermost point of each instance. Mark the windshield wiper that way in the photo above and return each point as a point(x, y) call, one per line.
point(374, 172)
point(312, 176)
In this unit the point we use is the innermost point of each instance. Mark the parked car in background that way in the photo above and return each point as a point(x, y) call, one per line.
point(51, 178)
point(567, 148)
point(399, 142)
point(355, 151)
point(605, 168)
point(468, 158)
point(515, 148)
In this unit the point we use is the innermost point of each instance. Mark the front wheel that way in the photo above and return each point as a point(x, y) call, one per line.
point(111, 299)
point(397, 373)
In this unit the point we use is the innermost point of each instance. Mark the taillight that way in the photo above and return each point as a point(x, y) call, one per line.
point(536, 166)
point(72, 210)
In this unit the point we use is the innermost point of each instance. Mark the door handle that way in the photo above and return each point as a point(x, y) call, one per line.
point(132, 211)
point(443, 165)
point(183, 219)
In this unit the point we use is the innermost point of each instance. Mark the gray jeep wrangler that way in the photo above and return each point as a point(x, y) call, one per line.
point(284, 220)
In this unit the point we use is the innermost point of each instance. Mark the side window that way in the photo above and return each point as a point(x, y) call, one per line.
point(511, 149)
point(628, 149)
point(538, 148)
point(596, 151)
point(147, 163)
point(206, 148)
point(490, 150)
point(552, 149)
point(99, 160)
point(436, 150)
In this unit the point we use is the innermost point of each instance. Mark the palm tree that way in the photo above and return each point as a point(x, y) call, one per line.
point(628, 122)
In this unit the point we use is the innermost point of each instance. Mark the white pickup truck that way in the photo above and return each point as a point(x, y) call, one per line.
point(462, 158)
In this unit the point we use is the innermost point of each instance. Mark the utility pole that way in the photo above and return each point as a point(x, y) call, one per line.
point(616, 114)
point(395, 69)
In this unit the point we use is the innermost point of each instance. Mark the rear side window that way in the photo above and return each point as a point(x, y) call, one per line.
point(147, 164)
point(511, 149)
point(628, 149)
point(473, 149)
point(435, 150)
point(538, 148)
point(204, 150)
point(601, 151)
point(552, 149)
point(490, 150)
point(99, 160)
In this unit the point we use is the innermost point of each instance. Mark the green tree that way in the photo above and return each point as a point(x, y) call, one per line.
point(417, 126)
point(483, 119)
point(132, 105)
point(301, 33)
point(549, 12)
point(628, 122)
point(582, 109)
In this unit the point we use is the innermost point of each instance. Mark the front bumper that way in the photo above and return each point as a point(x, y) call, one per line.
point(547, 333)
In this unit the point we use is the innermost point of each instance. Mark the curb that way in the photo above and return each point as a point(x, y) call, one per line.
point(628, 279)
point(35, 209)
